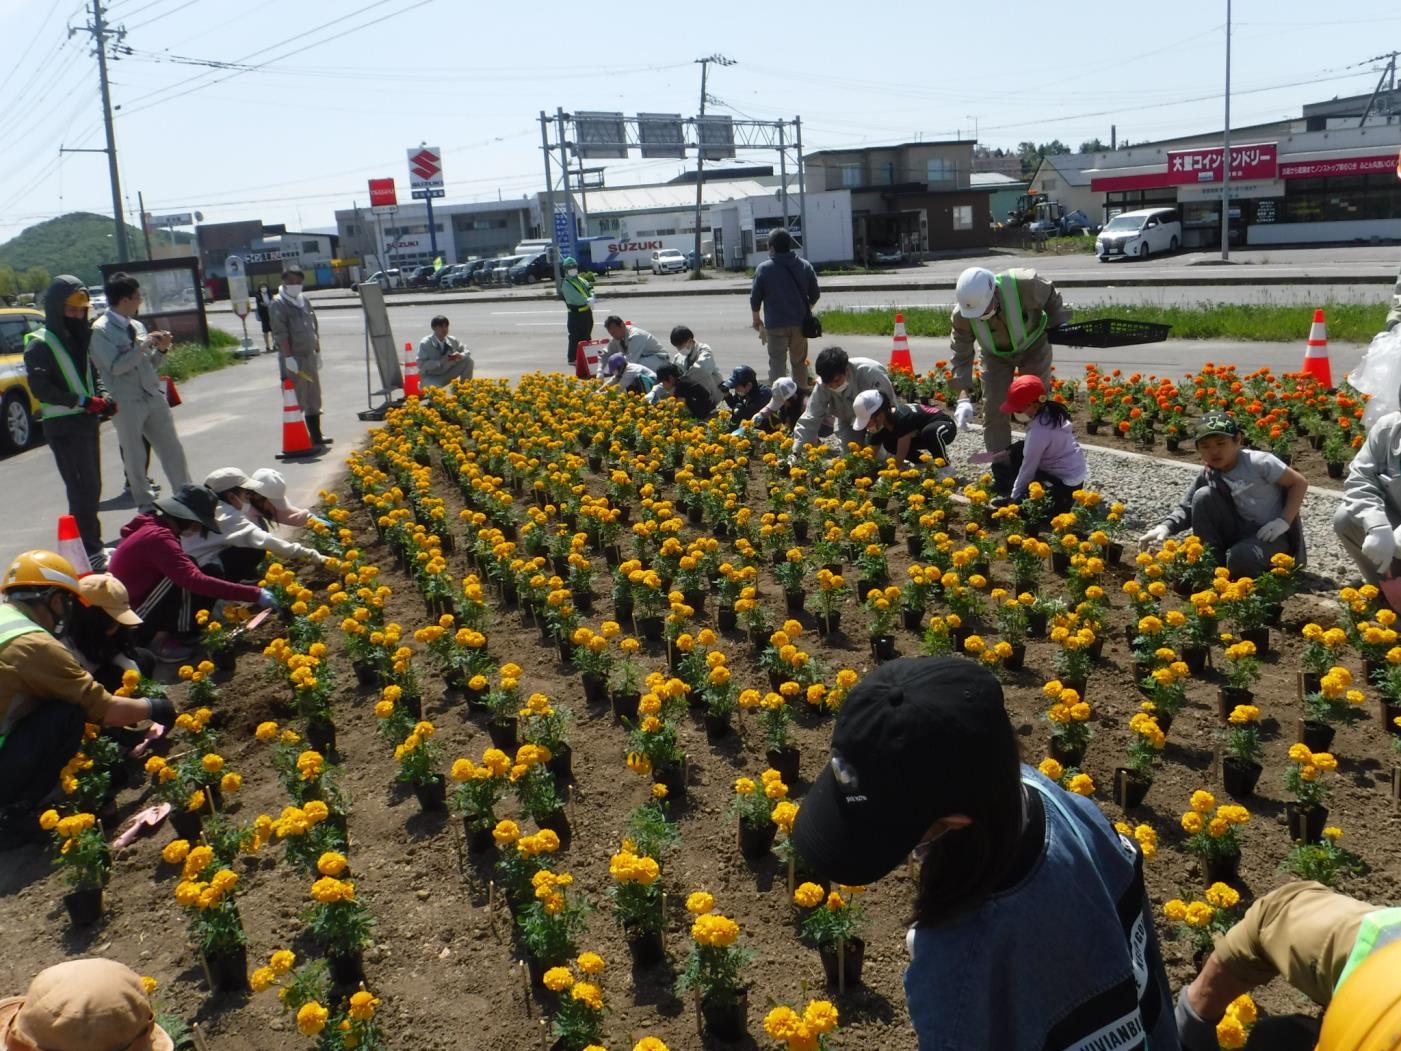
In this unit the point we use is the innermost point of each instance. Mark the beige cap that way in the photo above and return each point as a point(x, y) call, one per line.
point(223, 479)
point(83, 1005)
point(108, 594)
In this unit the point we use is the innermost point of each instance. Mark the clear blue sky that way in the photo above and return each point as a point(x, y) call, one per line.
point(349, 85)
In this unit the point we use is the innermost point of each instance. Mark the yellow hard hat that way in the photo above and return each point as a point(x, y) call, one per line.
point(1365, 1014)
point(41, 569)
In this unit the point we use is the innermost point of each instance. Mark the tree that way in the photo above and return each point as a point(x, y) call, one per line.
point(9, 285)
point(35, 280)
point(1095, 145)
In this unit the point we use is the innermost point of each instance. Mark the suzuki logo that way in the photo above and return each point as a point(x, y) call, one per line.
point(424, 164)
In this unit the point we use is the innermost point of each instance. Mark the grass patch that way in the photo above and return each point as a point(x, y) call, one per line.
point(1242, 322)
point(186, 360)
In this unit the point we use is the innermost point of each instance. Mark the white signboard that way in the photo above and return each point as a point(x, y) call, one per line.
point(425, 168)
point(1239, 190)
point(238, 285)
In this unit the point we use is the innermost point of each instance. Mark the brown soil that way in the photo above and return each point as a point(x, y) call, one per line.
point(448, 974)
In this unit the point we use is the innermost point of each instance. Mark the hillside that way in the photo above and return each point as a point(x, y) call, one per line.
point(77, 243)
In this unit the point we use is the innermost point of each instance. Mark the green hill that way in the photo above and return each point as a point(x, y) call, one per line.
point(77, 244)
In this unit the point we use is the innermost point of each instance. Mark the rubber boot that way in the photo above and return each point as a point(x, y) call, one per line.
point(313, 427)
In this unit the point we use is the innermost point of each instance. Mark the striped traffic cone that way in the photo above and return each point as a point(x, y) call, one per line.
point(296, 439)
point(1316, 362)
point(70, 545)
point(411, 387)
point(900, 352)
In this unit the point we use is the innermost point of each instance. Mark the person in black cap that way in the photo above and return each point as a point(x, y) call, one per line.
point(1011, 868)
point(165, 585)
point(744, 394)
point(1243, 506)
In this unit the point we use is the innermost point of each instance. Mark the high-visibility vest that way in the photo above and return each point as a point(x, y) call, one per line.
point(1012, 315)
point(70, 377)
point(13, 624)
point(1378, 929)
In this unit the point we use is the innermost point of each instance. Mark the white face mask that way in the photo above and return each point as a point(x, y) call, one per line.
point(571, 272)
point(991, 310)
point(1022, 417)
point(837, 388)
point(292, 290)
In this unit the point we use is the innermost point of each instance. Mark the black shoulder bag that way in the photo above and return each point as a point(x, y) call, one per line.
point(812, 324)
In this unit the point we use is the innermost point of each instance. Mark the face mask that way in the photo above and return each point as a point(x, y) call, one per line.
point(62, 615)
point(293, 291)
point(991, 310)
point(1022, 417)
point(837, 388)
point(571, 272)
point(76, 327)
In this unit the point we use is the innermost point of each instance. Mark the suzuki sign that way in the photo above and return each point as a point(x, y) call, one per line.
point(426, 172)
point(1203, 165)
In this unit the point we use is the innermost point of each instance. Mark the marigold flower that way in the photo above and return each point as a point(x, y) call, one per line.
point(311, 1018)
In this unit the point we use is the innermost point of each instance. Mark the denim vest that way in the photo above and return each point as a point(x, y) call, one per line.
point(1067, 960)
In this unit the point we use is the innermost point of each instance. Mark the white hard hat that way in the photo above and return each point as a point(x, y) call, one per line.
point(974, 291)
point(223, 479)
point(866, 405)
point(783, 388)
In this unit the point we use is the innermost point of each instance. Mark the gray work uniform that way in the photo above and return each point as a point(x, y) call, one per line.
point(295, 331)
point(1372, 493)
point(433, 366)
point(862, 374)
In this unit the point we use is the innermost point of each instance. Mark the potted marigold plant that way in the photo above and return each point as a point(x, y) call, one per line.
point(832, 923)
point(417, 757)
point(537, 791)
point(797, 1032)
point(503, 701)
point(776, 724)
point(1323, 861)
point(577, 1022)
point(546, 724)
point(1242, 671)
point(1240, 768)
point(1211, 835)
point(753, 806)
point(480, 787)
point(1069, 717)
point(624, 684)
point(636, 894)
point(1304, 777)
point(654, 749)
point(1333, 702)
point(826, 601)
point(206, 891)
point(1146, 743)
point(1321, 649)
point(85, 859)
point(552, 922)
point(792, 570)
point(339, 922)
point(593, 656)
point(1201, 921)
point(348, 1024)
point(714, 970)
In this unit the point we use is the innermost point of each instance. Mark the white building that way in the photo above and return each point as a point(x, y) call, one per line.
point(741, 228)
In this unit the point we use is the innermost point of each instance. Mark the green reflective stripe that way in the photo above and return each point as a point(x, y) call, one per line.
point(1014, 319)
point(13, 624)
point(1379, 928)
point(70, 377)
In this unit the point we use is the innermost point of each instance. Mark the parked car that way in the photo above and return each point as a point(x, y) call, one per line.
point(888, 256)
point(1140, 234)
point(18, 406)
point(532, 269)
point(706, 259)
point(668, 261)
point(446, 277)
point(388, 278)
point(97, 301)
point(421, 276)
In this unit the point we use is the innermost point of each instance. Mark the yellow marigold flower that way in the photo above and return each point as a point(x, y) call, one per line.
point(698, 903)
point(1243, 1009)
point(175, 852)
point(1192, 823)
point(261, 979)
point(266, 731)
point(590, 963)
point(820, 1016)
point(1052, 769)
point(1222, 896)
point(362, 1006)
point(1230, 1033)
point(1203, 802)
point(282, 961)
point(1332, 833)
point(809, 895)
point(311, 1018)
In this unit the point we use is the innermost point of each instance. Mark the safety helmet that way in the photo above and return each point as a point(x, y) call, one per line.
point(569, 261)
point(1365, 1014)
point(974, 291)
point(1024, 392)
point(40, 570)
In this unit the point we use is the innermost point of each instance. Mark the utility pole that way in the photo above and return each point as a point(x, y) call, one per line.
point(1226, 152)
point(100, 31)
point(719, 60)
point(145, 230)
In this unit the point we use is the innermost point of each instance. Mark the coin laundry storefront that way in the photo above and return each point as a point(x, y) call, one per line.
point(1280, 192)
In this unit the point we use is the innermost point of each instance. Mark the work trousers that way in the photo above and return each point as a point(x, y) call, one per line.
point(74, 442)
point(36, 750)
point(149, 420)
point(169, 608)
point(580, 328)
point(1351, 533)
point(239, 564)
point(306, 381)
point(1232, 539)
point(788, 355)
point(1004, 476)
point(444, 372)
point(998, 373)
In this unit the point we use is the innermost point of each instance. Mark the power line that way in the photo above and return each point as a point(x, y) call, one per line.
point(164, 14)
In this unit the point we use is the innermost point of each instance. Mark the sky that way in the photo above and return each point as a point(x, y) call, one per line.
point(308, 101)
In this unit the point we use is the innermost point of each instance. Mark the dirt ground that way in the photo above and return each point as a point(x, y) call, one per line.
point(447, 970)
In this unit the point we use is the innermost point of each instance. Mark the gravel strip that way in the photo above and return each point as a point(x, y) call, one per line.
point(1150, 488)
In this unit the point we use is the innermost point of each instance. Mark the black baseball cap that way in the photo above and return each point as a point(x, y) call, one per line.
point(917, 739)
point(1214, 423)
point(193, 503)
point(742, 374)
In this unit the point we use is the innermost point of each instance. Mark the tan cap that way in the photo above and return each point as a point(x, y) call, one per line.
point(83, 1005)
point(108, 594)
point(225, 478)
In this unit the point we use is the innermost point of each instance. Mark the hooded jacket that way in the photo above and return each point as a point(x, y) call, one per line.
point(46, 380)
point(150, 552)
point(786, 286)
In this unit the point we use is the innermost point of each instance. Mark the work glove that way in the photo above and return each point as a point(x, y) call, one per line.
point(1379, 547)
point(319, 558)
point(1156, 535)
point(98, 406)
point(1194, 1032)
point(1272, 530)
point(1000, 501)
point(321, 521)
point(265, 599)
point(162, 710)
point(963, 414)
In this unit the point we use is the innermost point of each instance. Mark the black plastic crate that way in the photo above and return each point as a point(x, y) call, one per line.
point(1107, 332)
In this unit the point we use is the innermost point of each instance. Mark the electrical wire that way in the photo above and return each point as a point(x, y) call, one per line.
point(163, 14)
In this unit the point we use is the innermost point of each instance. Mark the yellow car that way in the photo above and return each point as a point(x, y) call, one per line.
point(17, 405)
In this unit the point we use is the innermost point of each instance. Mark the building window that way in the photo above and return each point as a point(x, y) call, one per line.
point(1048, 184)
point(940, 170)
point(645, 233)
point(668, 232)
point(963, 217)
point(851, 175)
point(311, 247)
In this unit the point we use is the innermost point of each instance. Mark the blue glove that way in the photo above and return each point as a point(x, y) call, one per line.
point(321, 521)
point(265, 599)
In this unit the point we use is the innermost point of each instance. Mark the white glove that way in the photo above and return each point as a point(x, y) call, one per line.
point(1272, 530)
point(1378, 548)
point(963, 414)
point(1397, 535)
point(1156, 535)
point(291, 364)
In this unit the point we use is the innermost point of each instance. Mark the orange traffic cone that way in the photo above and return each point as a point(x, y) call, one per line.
point(296, 439)
point(70, 545)
point(900, 352)
point(1316, 362)
point(410, 371)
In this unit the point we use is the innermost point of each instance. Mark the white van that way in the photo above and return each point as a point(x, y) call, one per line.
point(533, 248)
point(1140, 234)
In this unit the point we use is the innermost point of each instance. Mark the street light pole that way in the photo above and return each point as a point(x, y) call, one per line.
point(1226, 152)
point(719, 60)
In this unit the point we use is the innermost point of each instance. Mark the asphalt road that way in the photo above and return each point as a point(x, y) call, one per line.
point(234, 417)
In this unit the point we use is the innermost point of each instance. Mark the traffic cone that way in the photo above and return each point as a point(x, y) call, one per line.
point(296, 439)
point(900, 352)
point(70, 545)
point(1316, 362)
point(410, 371)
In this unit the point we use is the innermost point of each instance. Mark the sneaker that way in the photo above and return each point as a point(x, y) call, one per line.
point(171, 650)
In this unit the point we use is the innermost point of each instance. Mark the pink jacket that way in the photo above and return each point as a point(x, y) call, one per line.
point(150, 551)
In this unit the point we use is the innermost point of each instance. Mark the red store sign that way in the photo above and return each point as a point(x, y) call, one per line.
point(1381, 163)
point(1189, 167)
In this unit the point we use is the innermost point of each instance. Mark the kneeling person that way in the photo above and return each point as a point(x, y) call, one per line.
point(905, 432)
point(673, 383)
point(245, 536)
point(443, 358)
